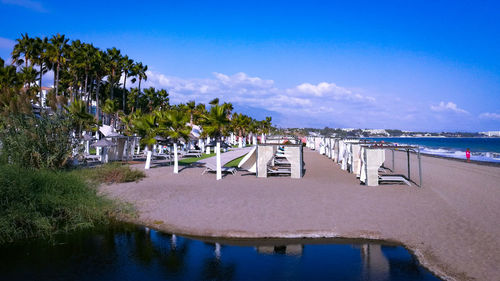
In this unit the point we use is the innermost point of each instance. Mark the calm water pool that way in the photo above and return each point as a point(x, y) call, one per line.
point(128, 252)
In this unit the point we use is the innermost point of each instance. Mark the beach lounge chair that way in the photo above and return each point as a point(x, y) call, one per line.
point(276, 170)
point(388, 179)
point(192, 153)
point(210, 167)
point(211, 163)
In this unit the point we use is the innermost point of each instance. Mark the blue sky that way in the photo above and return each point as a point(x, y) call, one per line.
point(415, 65)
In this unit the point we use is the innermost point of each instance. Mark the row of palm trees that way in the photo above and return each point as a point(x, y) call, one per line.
point(84, 74)
point(81, 71)
point(176, 123)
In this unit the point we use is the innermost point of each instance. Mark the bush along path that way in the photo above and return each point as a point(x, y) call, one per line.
point(41, 203)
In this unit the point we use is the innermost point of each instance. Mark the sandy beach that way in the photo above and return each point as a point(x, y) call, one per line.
point(450, 224)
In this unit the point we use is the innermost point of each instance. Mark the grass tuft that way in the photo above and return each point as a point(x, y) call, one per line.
point(109, 173)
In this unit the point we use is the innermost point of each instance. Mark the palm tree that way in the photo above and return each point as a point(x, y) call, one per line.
point(216, 124)
point(115, 65)
point(100, 64)
point(146, 127)
point(173, 124)
point(140, 70)
point(240, 124)
point(88, 54)
point(266, 127)
point(57, 49)
point(40, 57)
point(82, 120)
point(25, 46)
point(127, 67)
point(111, 109)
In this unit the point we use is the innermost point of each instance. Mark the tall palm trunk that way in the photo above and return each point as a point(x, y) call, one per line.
point(57, 79)
point(41, 75)
point(97, 100)
point(112, 83)
point(124, 94)
point(138, 95)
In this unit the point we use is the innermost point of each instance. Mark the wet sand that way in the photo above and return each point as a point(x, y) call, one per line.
point(450, 224)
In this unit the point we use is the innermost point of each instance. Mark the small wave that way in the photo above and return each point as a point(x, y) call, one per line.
point(476, 156)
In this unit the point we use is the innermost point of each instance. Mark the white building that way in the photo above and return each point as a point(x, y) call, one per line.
point(491, 133)
point(376, 132)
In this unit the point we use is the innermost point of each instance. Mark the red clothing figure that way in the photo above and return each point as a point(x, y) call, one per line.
point(467, 154)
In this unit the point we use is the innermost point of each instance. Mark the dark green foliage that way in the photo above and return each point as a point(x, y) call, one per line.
point(36, 142)
point(44, 202)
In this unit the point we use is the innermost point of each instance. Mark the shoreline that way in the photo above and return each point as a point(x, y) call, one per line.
point(322, 236)
point(434, 222)
point(484, 163)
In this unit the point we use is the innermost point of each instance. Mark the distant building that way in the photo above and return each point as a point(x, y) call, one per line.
point(376, 132)
point(491, 133)
point(42, 97)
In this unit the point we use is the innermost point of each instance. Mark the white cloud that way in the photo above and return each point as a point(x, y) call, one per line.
point(490, 116)
point(33, 5)
point(303, 100)
point(447, 107)
point(6, 43)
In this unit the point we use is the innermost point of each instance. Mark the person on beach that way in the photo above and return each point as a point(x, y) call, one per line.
point(467, 154)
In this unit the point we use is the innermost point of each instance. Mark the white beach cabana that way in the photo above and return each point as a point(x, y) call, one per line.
point(249, 162)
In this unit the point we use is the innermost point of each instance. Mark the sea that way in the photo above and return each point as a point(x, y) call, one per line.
point(482, 149)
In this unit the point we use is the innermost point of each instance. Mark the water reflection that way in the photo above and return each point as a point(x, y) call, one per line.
point(128, 252)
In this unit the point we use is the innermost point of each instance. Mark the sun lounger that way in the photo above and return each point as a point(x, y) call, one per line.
point(211, 164)
point(92, 158)
point(393, 179)
point(192, 153)
point(279, 170)
point(210, 167)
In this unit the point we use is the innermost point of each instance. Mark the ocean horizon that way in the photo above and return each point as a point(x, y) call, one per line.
point(485, 149)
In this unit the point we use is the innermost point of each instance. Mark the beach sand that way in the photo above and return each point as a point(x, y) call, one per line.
point(451, 224)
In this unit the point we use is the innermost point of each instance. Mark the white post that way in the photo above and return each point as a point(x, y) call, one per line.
point(176, 159)
point(240, 142)
point(254, 140)
point(263, 138)
point(219, 168)
point(208, 147)
point(148, 160)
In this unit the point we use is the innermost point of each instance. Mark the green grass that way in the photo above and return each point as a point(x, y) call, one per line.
point(42, 203)
point(234, 163)
point(190, 160)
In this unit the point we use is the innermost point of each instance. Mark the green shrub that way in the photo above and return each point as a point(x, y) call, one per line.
point(36, 142)
point(45, 202)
